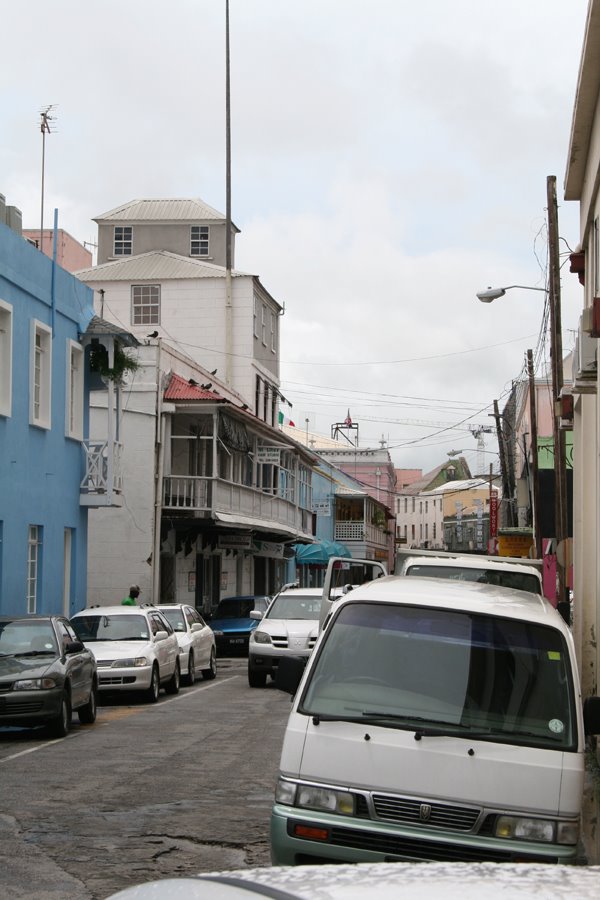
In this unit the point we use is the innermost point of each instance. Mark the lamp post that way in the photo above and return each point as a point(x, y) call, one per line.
point(560, 481)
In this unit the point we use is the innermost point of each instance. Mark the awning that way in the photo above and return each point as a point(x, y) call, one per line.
point(320, 552)
point(247, 523)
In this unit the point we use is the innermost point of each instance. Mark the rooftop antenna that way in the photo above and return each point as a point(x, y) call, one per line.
point(45, 119)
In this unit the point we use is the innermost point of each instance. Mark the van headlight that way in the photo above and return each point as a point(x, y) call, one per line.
point(311, 796)
point(542, 830)
point(260, 637)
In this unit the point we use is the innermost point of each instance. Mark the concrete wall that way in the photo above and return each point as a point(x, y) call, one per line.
point(171, 236)
point(193, 319)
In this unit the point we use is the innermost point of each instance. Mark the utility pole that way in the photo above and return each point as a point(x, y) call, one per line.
point(45, 119)
point(228, 284)
point(508, 500)
point(556, 355)
point(535, 487)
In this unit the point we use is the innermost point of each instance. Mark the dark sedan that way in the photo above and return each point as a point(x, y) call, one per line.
point(45, 674)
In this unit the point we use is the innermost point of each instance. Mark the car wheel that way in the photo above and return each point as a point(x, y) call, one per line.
point(211, 672)
point(191, 672)
point(154, 689)
point(172, 685)
point(87, 713)
point(256, 679)
point(59, 726)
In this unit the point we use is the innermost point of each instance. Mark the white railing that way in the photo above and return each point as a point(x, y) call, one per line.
point(186, 492)
point(102, 467)
point(360, 531)
point(214, 495)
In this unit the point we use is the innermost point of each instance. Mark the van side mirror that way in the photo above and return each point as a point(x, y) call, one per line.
point(591, 715)
point(289, 674)
point(256, 614)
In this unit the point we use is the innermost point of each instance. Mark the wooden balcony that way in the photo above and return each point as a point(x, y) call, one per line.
point(102, 484)
point(361, 531)
point(224, 501)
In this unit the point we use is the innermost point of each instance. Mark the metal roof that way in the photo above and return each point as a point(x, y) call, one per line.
point(162, 211)
point(156, 265)
point(180, 389)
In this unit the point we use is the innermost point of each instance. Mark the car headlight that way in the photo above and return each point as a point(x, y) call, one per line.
point(133, 662)
point(260, 637)
point(309, 796)
point(35, 684)
point(542, 830)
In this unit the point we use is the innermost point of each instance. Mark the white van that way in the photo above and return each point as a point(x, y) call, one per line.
point(504, 571)
point(435, 720)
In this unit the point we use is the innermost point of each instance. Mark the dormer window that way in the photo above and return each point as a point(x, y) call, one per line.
point(199, 240)
point(123, 240)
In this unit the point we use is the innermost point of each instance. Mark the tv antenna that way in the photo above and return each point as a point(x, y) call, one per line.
point(45, 119)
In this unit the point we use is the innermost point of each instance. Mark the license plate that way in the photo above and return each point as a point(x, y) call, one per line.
point(236, 640)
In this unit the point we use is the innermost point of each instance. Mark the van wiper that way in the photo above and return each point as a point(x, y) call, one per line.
point(436, 728)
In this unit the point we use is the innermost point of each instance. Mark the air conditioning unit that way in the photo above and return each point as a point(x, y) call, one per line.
point(585, 362)
point(564, 409)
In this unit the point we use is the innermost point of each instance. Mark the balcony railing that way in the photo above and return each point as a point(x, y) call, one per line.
point(209, 496)
point(361, 531)
point(102, 483)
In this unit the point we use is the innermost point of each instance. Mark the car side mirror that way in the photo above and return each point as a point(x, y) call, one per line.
point(256, 614)
point(289, 674)
point(591, 715)
point(74, 647)
point(196, 626)
point(161, 636)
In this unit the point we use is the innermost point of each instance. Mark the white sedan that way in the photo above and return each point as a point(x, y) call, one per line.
point(196, 640)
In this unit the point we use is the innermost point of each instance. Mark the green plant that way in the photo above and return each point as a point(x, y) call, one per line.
point(123, 362)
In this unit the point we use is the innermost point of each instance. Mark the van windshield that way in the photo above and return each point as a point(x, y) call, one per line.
point(445, 672)
point(522, 581)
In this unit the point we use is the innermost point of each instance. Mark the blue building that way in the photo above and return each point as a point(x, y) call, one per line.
point(44, 311)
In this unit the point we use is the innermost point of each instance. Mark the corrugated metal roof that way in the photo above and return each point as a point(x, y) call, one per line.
point(98, 326)
point(162, 210)
point(157, 265)
point(180, 389)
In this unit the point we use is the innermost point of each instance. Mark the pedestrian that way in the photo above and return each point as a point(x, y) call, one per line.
point(131, 598)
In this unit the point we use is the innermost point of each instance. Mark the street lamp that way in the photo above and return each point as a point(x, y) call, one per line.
point(560, 512)
point(493, 293)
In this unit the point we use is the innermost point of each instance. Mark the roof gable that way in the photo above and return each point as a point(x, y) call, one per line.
point(170, 210)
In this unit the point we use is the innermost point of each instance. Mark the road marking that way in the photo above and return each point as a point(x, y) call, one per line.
point(52, 743)
point(117, 713)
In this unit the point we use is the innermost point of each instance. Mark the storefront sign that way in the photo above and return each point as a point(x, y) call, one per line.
point(268, 548)
point(235, 542)
point(322, 507)
point(268, 456)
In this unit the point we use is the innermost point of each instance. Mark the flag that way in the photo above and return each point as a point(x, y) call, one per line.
point(348, 420)
point(283, 420)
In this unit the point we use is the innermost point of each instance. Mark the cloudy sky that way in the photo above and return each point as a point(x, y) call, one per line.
point(389, 160)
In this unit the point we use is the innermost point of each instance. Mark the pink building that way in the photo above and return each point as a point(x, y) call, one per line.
point(70, 254)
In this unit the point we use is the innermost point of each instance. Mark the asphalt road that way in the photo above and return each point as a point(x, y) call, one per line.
point(149, 791)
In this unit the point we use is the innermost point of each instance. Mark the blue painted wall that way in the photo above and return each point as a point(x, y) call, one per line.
point(40, 470)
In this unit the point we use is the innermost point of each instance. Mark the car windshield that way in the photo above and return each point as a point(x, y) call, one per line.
point(175, 617)
point(295, 606)
point(91, 628)
point(448, 671)
point(239, 607)
point(27, 638)
point(522, 581)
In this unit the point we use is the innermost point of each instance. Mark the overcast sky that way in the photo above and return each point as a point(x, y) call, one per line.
point(389, 160)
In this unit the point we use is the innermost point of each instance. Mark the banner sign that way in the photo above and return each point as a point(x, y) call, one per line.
point(268, 456)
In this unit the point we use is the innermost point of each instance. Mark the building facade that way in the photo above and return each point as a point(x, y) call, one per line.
point(44, 312)
point(581, 186)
